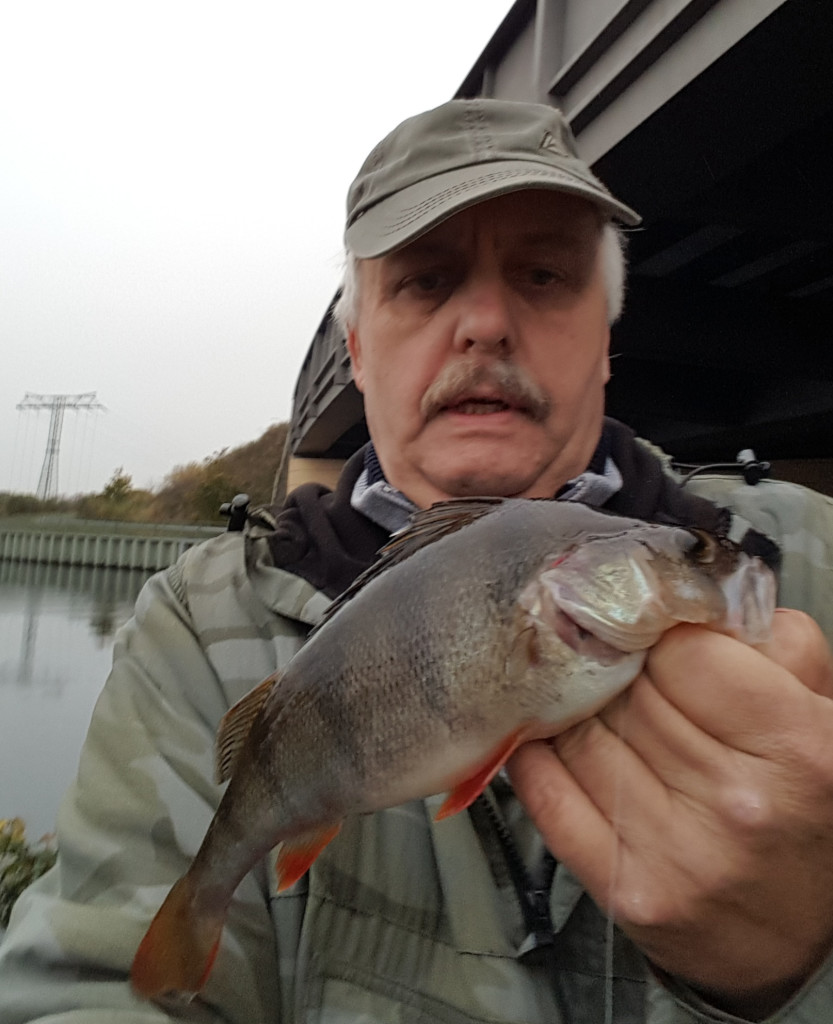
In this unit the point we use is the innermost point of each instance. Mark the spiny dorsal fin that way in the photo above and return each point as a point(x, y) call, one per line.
point(432, 524)
point(425, 527)
point(235, 725)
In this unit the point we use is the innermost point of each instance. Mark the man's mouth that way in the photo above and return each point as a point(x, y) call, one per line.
point(481, 406)
point(471, 388)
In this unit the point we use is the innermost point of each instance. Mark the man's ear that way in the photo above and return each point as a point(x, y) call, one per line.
point(606, 360)
point(355, 349)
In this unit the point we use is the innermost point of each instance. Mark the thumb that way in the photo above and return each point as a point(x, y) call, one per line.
point(797, 644)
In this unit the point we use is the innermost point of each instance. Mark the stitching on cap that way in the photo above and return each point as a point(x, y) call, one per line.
point(475, 118)
point(413, 213)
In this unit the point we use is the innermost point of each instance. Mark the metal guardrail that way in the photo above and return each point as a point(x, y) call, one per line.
point(121, 550)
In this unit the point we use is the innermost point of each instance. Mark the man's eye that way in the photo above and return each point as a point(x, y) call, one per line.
point(430, 281)
point(542, 276)
point(426, 283)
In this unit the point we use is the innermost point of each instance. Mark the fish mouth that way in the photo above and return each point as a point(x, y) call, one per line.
point(581, 640)
point(542, 602)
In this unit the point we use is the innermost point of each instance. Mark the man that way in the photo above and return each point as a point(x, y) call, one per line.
point(483, 272)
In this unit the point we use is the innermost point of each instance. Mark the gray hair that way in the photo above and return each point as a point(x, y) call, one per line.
point(612, 245)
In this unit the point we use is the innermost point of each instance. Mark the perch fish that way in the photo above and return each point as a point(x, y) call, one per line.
point(484, 624)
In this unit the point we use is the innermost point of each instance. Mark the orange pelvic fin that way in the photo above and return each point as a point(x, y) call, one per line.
point(467, 791)
point(177, 953)
point(296, 855)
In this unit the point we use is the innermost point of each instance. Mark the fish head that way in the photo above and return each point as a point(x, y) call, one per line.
point(623, 591)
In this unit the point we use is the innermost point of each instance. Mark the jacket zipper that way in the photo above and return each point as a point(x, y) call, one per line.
point(534, 900)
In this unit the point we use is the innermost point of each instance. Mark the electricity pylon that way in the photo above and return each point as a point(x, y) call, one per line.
point(57, 404)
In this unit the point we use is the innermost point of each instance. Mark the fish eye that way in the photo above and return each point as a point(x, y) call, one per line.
point(705, 547)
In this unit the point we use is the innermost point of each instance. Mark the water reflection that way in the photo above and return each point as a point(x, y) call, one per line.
point(102, 597)
point(57, 625)
point(106, 585)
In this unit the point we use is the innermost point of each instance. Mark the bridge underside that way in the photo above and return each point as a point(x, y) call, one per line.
point(726, 339)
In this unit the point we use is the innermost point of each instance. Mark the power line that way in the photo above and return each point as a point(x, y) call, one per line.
point(57, 405)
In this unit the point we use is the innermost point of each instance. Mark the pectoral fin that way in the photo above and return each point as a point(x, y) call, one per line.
point(467, 791)
point(297, 855)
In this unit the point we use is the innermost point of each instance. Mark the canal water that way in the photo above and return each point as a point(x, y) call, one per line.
point(57, 626)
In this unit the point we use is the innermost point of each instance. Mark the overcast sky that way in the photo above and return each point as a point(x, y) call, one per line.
point(172, 182)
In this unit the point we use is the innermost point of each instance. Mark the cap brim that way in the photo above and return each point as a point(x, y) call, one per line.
point(409, 213)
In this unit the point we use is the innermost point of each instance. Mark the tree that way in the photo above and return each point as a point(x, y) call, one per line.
point(118, 500)
point(194, 492)
point(118, 490)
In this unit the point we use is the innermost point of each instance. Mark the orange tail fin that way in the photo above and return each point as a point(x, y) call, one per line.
point(177, 953)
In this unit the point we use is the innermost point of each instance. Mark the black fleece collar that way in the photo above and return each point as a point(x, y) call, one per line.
point(320, 537)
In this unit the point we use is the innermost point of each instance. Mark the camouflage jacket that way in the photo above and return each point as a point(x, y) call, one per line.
point(400, 919)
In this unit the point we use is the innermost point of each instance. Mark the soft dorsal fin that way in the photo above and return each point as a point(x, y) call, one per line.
point(425, 527)
point(235, 725)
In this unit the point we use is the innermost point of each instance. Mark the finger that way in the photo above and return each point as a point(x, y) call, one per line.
point(627, 792)
point(731, 691)
point(597, 851)
point(798, 645)
point(678, 752)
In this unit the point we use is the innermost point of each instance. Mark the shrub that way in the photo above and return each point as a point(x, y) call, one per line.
point(21, 862)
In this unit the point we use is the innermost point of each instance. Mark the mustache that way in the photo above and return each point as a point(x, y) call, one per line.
point(504, 381)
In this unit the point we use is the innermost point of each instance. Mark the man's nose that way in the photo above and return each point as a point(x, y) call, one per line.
point(484, 323)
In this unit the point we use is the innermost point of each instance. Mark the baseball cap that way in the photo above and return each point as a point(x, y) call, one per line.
point(458, 154)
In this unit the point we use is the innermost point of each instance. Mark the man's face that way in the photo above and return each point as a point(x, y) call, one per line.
point(481, 349)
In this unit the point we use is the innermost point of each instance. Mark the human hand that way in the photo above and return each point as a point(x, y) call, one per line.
point(697, 809)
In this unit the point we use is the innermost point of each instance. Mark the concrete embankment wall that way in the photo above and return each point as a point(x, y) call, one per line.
point(97, 547)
